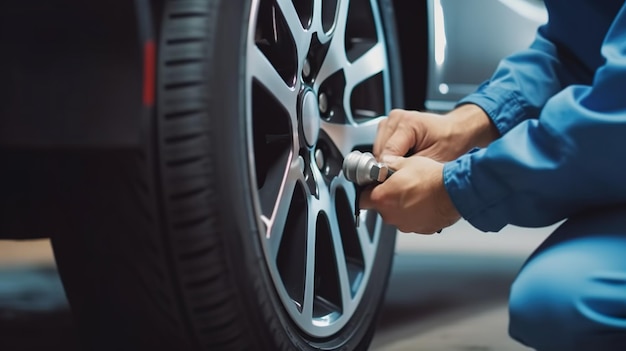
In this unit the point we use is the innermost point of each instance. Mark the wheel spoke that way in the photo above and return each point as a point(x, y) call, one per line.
point(263, 71)
point(371, 63)
point(336, 58)
point(276, 224)
point(301, 37)
point(341, 23)
point(334, 61)
point(309, 281)
point(368, 246)
point(340, 260)
point(347, 136)
point(316, 23)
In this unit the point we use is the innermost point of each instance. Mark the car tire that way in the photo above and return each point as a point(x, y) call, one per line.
point(179, 247)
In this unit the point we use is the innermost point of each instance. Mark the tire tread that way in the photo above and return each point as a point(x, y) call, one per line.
point(194, 226)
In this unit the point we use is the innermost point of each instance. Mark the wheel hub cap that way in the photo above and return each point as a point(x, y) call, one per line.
point(310, 118)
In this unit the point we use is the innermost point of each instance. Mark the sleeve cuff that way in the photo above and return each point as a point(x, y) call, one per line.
point(503, 106)
point(472, 204)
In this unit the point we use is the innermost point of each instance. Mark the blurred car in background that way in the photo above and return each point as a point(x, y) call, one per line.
point(468, 39)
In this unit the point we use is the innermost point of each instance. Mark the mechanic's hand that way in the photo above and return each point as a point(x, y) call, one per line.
point(414, 198)
point(440, 137)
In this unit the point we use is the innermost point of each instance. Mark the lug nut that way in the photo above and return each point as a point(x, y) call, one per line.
point(301, 164)
point(319, 159)
point(322, 101)
point(306, 69)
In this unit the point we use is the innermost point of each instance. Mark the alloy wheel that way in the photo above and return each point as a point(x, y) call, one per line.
point(316, 81)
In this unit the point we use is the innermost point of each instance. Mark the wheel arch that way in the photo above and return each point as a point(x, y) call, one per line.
point(412, 30)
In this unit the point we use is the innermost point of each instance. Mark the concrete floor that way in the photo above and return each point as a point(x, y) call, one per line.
point(33, 309)
point(482, 328)
point(447, 292)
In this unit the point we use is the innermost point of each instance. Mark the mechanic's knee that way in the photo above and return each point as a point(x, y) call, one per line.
point(562, 300)
point(539, 303)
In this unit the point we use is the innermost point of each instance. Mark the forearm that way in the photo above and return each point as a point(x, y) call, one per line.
point(472, 126)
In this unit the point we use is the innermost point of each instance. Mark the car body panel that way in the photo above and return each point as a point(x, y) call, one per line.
point(467, 39)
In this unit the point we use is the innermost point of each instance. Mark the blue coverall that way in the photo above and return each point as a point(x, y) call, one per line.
point(560, 107)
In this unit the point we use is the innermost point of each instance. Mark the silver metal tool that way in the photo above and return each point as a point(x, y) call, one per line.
point(362, 169)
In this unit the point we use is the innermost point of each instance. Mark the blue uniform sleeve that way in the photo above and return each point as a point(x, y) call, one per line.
point(523, 83)
point(565, 51)
point(570, 159)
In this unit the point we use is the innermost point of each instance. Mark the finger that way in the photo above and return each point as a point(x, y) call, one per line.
point(426, 231)
point(365, 199)
point(400, 142)
point(410, 228)
point(374, 197)
point(393, 162)
point(386, 127)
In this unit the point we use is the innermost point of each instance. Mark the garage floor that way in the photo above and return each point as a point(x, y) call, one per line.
point(447, 292)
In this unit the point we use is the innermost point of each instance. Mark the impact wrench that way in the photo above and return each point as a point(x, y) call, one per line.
point(362, 169)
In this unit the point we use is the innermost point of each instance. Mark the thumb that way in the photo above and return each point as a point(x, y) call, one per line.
point(393, 162)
